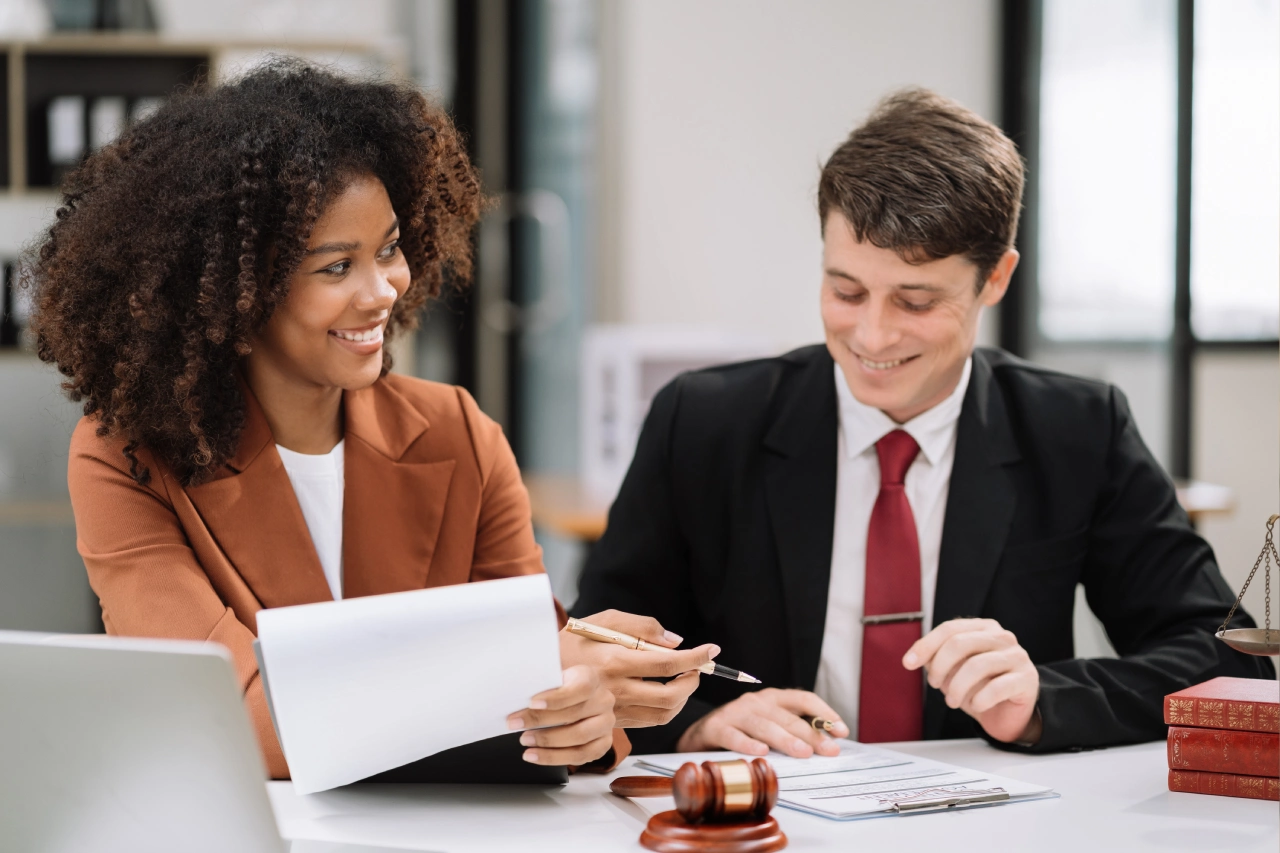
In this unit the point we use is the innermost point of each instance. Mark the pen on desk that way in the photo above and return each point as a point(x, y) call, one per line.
point(607, 635)
point(818, 723)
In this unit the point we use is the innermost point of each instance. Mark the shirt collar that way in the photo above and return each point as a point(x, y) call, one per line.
point(933, 429)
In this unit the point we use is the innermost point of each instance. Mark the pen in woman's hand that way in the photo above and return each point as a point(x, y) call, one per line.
point(606, 635)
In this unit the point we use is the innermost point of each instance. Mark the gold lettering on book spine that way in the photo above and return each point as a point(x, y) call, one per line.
point(1211, 714)
point(1248, 786)
point(1176, 758)
point(1240, 715)
point(1182, 712)
point(1273, 789)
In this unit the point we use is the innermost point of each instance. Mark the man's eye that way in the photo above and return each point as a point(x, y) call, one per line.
point(848, 297)
point(918, 306)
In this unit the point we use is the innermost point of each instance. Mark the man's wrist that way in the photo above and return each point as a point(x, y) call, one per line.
point(1034, 731)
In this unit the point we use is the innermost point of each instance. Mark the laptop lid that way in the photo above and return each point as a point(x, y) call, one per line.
point(112, 744)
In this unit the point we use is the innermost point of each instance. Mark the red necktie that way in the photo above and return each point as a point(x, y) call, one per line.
point(890, 700)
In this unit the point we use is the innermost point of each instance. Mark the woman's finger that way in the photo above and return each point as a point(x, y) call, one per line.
point(575, 756)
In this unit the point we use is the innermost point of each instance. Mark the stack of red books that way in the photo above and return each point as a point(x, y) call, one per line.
point(1224, 738)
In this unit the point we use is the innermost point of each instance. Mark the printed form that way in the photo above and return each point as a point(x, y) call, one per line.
point(870, 781)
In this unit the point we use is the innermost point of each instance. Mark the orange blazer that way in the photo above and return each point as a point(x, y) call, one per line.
point(433, 497)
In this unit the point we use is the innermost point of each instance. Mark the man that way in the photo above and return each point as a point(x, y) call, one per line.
point(897, 520)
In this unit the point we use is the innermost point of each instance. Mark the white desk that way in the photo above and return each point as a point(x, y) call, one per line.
point(1114, 799)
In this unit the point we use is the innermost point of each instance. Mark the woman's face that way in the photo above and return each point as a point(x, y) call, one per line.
point(328, 331)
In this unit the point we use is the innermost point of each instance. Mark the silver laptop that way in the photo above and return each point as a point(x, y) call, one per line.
point(110, 744)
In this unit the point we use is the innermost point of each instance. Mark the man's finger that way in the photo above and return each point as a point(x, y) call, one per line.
point(974, 672)
point(802, 702)
point(1002, 688)
point(923, 649)
point(960, 648)
point(736, 740)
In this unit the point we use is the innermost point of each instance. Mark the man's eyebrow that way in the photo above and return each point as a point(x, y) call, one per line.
point(927, 288)
point(326, 248)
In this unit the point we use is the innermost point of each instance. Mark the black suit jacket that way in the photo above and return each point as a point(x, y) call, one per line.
point(723, 530)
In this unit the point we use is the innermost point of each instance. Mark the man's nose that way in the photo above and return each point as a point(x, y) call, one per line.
point(876, 330)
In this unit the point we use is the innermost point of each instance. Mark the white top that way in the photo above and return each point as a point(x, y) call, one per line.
point(318, 482)
point(857, 486)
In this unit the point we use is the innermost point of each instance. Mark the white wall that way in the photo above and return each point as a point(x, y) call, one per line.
point(721, 113)
point(1236, 443)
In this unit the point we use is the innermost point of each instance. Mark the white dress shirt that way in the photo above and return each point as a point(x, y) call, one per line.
point(857, 486)
point(318, 481)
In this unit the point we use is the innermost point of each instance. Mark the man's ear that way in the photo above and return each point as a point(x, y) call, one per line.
point(997, 283)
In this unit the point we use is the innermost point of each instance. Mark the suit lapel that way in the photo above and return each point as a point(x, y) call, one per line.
point(392, 509)
point(800, 485)
point(980, 505)
point(253, 514)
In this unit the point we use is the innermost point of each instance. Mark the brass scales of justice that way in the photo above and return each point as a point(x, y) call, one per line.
point(1256, 641)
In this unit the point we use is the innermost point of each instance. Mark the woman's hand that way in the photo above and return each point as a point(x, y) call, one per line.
point(639, 703)
point(574, 723)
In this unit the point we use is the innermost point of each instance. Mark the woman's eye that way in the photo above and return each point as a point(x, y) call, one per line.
point(340, 268)
point(389, 252)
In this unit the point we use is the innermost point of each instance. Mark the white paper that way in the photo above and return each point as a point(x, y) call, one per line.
point(863, 781)
point(369, 684)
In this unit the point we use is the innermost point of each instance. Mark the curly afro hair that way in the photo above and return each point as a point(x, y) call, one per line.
point(173, 245)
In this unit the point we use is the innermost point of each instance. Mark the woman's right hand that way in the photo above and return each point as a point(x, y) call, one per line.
point(570, 724)
point(639, 703)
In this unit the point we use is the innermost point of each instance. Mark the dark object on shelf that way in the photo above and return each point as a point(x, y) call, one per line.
point(82, 15)
point(721, 807)
point(1256, 641)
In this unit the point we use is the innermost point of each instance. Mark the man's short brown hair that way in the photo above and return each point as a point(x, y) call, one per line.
point(929, 179)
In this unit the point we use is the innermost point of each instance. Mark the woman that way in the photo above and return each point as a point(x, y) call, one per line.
point(218, 288)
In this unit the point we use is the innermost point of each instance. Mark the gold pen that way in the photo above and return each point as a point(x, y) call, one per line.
point(818, 723)
point(607, 635)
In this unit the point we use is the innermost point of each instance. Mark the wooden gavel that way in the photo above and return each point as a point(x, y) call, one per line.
point(712, 792)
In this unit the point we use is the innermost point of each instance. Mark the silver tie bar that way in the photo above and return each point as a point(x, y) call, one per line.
point(885, 618)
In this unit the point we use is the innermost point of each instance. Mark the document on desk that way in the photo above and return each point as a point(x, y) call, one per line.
point(869, 781)
point(369, 684)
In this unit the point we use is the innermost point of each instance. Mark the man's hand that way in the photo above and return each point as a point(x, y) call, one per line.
point(981, 669)
point(765, 719)
point(638, 702)
point(573, 722)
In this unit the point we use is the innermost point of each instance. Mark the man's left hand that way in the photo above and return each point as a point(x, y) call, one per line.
point(981, 669)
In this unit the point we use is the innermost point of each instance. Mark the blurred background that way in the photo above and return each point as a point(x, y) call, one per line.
point(655, 164)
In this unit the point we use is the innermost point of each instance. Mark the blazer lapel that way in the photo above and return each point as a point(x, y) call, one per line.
point(253, 514)
point(800, 484)
point(980, 506)
point(392, 509)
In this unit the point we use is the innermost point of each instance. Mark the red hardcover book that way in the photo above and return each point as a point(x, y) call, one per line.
point(1239, 704)
point(1221, 751)
point(1224, 784)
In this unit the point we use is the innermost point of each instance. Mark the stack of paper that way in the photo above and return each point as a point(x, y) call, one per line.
point(869, 781)
point(370, 684)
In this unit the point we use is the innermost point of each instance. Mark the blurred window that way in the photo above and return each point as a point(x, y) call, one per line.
point(1235, 163)
point(1108, 147)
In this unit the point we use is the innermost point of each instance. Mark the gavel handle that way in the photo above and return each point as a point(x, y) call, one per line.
point(642, 786)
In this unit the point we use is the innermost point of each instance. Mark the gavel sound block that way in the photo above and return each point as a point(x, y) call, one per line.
point(721, 807)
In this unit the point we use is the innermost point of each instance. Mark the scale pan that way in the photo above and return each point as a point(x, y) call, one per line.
point(1252, 641)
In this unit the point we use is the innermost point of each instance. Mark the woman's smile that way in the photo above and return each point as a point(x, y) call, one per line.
point(363, 340)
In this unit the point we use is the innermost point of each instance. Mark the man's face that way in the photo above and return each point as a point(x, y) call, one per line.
point(901, 332)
